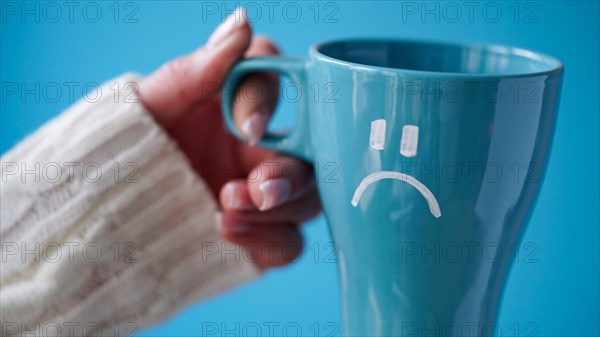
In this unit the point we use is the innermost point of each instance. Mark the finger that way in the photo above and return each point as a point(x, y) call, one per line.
point(235, 195)
point(268, 246)
point(298, 211)
point(278, 180)
point(261, 46)
point(256, 97)
point(184, 82)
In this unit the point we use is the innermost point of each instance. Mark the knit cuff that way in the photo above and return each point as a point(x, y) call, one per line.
point(104, 222)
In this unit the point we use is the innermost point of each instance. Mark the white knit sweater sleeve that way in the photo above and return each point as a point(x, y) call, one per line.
point(104, 225)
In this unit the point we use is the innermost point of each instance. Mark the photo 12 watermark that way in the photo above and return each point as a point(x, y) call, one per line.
point(68, 91)
point(527, 12)
point(50, 12)
point(69, 252)
point(315, 12)
point(269, 329)
point(286, 91)
point(469, 329)
point(69, 329)
point(68, 172)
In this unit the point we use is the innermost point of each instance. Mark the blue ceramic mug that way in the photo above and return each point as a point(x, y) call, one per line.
point(438, 153)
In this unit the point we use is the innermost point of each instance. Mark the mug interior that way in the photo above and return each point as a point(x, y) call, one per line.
point(439, 57)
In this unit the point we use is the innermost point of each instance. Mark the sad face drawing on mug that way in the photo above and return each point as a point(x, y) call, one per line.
point(409, 144)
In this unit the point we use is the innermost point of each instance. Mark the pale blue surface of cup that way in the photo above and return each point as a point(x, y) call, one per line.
point(429, 158)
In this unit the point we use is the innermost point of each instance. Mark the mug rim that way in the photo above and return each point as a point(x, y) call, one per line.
point(556, 66)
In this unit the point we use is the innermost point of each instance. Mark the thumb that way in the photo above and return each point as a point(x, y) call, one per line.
point(179, 84)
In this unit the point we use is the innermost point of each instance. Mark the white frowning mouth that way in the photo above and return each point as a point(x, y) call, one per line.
point(434, 207)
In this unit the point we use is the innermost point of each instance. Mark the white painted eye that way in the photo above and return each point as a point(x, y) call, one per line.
point(409, 141)
point(377, 139)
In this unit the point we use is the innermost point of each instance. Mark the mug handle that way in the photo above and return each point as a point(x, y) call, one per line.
point(297, 141)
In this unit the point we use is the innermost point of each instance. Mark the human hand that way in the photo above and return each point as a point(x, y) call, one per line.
point(261, 202)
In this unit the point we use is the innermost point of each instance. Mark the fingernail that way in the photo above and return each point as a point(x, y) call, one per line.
point(219, 222)
point(233, 21)
point(255, 125)
point(233, 199)
point(275, 192)
point(231, 194)
point(237, 228)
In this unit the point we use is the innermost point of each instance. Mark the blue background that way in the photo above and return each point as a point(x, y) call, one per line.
point(555, 294)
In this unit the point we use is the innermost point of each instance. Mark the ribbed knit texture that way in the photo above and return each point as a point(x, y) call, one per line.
point(136, 244)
